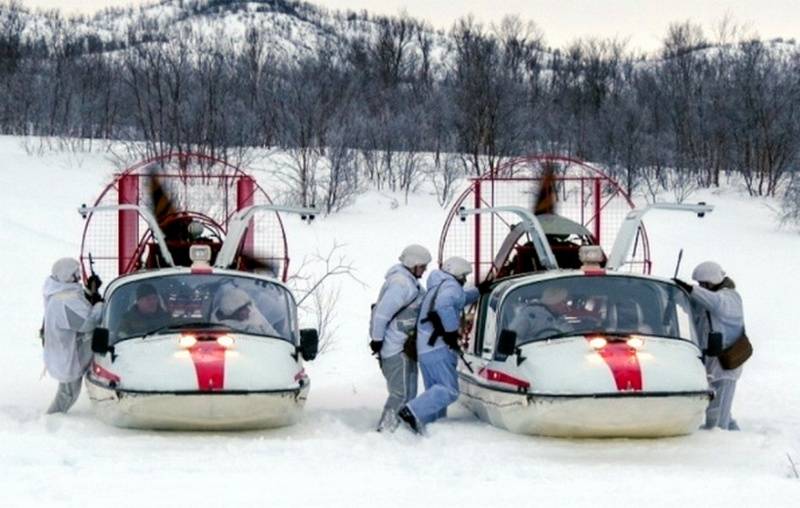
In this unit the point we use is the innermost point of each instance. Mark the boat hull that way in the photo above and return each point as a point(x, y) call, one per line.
point(197, 410)
point(640, 414)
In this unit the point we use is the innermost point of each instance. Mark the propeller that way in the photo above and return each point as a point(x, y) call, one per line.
point(164, 209)
point(161, 203)
point(547, 197)
point(175, 225)
point(249, 263)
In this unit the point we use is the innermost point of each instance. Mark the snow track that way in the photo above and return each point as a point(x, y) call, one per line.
point(333, 457)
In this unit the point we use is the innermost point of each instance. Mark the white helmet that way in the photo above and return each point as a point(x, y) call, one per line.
point(66, 270)
point(457, 267)
point(233, 300)
point(415, 255)
point(709, 272)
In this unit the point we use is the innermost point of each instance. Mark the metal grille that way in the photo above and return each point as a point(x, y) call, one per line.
point(201, 185)
point(585, 195)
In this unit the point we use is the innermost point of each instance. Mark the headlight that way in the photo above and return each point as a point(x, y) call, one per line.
point(225, 340)
point(187, 341)
point(635, 342)
point(598, 342)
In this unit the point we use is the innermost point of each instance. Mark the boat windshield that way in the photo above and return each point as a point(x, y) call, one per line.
point(583, 305)
point(194, 301)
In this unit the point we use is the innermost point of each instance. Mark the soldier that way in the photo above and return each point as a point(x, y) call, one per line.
point(717, 295)
point(393, 330)
point(68, 323)
point(438, 342)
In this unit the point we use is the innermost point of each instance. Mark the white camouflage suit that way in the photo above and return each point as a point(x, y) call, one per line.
point(68, 322)
point(726, 313)
point(394, 316)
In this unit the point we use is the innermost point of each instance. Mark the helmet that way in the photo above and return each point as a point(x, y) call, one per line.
point(145, 289)
point(710, 272)
point(457, 267)
point(415, 255)
point(195, 229)
point(553, 295)
point(233, 300)
point(66, 270)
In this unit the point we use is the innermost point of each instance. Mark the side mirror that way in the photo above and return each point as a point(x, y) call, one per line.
point(714, 347)
point(309, 343)
point(507, 343)
point(100, 341)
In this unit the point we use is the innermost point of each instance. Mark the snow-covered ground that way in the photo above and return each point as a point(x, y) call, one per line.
point(334, 457)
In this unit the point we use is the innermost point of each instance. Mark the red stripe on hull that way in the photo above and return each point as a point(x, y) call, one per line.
point(209, 363)
point(103, 373)
point(624, 365)
point(502, 377)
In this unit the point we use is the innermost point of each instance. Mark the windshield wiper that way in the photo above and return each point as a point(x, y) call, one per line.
point(584, 332)
point(189, 324)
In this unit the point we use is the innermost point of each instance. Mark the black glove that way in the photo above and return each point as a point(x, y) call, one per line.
point(93, 283)
point(375, 346)
point(451, 339)
point(684, 285)
point(93, 298)
point(485, 287)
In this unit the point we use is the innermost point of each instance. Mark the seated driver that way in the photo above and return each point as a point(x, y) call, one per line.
point(630, 319)
point(539, 319)
point(146, 315)
point(236, 311)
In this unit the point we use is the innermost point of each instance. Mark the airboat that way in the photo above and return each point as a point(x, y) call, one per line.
point(199, 330)
point(571, 342)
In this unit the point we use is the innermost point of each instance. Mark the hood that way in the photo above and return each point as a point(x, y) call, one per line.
point(52, 286)
point(402, 271)
point(437, 277)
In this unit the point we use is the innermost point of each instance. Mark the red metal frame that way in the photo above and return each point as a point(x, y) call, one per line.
point(506, 172)
point(124, 187)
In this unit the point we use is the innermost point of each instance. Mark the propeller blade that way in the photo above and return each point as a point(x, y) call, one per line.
point(546, 199)
point(248, 262)
point(161, 202)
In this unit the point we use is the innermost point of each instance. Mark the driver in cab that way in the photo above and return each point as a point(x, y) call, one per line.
point(538, 319)
point(146, 315)
point(236, 311)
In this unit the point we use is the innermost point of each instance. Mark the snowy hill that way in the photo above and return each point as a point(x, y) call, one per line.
point(289, 28)
point(333, 457)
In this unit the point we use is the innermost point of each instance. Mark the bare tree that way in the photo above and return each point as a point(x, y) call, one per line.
point(315, 283)
point(791, 201)
point(444, 174)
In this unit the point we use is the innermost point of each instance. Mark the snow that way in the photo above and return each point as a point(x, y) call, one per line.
point(334, 457)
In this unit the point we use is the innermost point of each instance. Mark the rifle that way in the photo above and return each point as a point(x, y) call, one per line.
point(93, 283)
point(438, 331)
point(678, 264)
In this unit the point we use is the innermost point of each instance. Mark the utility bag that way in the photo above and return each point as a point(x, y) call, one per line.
point(737, 354)
point(410, 345)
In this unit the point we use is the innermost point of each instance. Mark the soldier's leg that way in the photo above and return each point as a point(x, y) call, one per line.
point(66, 396)
point(393, 369)
point(718, 413)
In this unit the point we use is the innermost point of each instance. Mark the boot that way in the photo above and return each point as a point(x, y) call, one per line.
point(389, 421)
point(408, 417)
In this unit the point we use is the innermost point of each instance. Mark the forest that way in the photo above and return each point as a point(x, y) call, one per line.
point(389, 101)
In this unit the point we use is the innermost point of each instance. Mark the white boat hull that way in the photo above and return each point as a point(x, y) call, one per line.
point(565, 388)
point(197, 410)
point(634, 415)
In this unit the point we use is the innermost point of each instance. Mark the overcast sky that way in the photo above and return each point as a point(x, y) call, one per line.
point(642, 22)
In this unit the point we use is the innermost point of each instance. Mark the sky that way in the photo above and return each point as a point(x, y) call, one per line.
point(642, 22)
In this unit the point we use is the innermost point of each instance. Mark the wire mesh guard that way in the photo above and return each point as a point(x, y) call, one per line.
point(584, 195)
point(179, 187)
